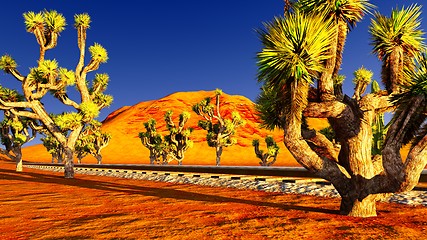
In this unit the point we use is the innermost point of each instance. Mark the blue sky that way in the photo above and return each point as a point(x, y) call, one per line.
point(160, 47)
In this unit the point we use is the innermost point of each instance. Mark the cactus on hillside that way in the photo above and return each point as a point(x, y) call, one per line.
point(178, 140)
point(268, 158)
point(220, 130)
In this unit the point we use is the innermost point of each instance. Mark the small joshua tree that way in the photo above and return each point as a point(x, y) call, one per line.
point(220, 130)
point(268, 158)
point(53, 147)
point(153, 141)
point(362, 78)
point(15, 130)
point(178, 140)
point(91, 141)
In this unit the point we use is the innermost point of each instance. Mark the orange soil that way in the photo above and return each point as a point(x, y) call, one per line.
point(43, 205)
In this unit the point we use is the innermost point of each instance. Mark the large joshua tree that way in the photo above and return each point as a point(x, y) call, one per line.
point(296, 50)
point(47, 77)
point(220, 130)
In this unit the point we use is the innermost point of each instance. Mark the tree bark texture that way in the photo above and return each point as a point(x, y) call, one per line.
point(69, 163)
point(360, 178)
point(218, 155)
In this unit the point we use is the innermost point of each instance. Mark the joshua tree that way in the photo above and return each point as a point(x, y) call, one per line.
point(362, 78)
point(47, 77)
point(53, 147)
point(15, 130)
point(272, 151)
point(91, 141)
point(296, 51)
point(154, 142)
point(171, 147)
point(178, 140)
point(220, 130)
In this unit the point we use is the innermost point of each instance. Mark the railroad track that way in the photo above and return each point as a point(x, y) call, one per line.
point(283, 174)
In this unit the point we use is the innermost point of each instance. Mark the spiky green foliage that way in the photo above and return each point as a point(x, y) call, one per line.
point(54, 21)
point(397, 40)
point(220, 131)
point(295, 48)
point(413, 99)
point(339, 80)
point(82, 20)
point(362, 78)
point(33, 20)
point(269, 157)
point(90, 110)
point(98, 53)
point(349, 11)
point(362, 75)
point(7, 63)
point(10, 95)
point(401, 30)
point(269, 108)
point(68, 121)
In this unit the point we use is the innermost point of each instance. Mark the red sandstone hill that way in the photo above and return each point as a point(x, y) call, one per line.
point(125, 123)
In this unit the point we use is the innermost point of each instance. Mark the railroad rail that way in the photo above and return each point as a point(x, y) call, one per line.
point(234, 172)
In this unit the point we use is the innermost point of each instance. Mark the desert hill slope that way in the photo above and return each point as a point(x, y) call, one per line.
point(125, 123)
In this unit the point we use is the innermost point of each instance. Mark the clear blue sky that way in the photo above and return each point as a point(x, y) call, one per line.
point(157, 47)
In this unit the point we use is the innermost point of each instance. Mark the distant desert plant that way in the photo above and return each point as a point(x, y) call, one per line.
point(170, 147)
point(269, 157)
point(220, 130)
point(91, 141)
point(15, 130)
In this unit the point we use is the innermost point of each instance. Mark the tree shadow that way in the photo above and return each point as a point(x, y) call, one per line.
point(159, 192)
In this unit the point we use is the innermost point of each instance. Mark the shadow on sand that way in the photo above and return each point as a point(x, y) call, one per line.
point(11, 175)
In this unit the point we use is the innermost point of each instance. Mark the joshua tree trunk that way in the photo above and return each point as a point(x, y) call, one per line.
point(18, 158)
point(99, 158)
point(218, 155)
point(68, 163)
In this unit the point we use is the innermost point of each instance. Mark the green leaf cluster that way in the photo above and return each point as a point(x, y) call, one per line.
point(90, 110)
point(82, 20)
point(68, 121)
point(98, 53)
